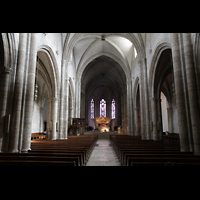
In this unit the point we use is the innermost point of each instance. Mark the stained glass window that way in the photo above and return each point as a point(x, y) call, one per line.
point(102, 108)
point(92, 109)
point(113, 109)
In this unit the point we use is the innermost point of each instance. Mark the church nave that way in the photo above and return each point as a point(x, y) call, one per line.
point(103, 155)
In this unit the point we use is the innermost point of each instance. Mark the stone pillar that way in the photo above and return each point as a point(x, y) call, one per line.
point(17, 106)
point(49, 128)
point(4, 83)
point(41, 127)
point(192, 91)
point(159, 122)
point(70, 115)
point(78, 91)
point(30, 94)
point(79, 98)
point(146, 99)
point(180, 100)
point(154, 118)
point(142, 108)
point(54, 117)
point(170, 119)
point(66, 109)
point(137, 122)
point(61, 118)
point(122, 113)
point(129, 109)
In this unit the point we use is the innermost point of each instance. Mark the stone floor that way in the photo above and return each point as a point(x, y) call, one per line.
point(103, 154)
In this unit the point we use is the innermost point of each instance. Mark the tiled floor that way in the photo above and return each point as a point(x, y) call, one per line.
point(103, 155)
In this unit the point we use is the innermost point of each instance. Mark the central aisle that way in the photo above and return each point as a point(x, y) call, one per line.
point(103, 154)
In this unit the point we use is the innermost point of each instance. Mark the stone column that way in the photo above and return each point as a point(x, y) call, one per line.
point(122, 113)
point(49, 128)
point(142, 108)
point(129, 108)
point(79, 98)
point(4, 83)
point(137, 122)
point(17, 106)
point(61, 118)
point(70, 115)
point(159, 122)
point(154, 118)
point(78, 86)
point(54, 117)
point(146, 99)
point(30, 94)
point(192, 91)
point(170, 119)
point(66, 109)
point(180, 100)
point(41, 127)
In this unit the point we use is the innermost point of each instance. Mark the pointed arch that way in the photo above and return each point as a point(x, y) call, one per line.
point(158, 51)
point(84, 65)
point(54, 66)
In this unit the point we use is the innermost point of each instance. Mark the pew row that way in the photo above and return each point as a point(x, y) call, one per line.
point(132, 151)
point(75, 151)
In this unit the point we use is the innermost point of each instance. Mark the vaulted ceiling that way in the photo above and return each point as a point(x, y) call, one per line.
point(85, 47)
point(116, 45)
point(101, 75)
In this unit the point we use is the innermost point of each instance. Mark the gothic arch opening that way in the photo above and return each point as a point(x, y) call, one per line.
point(103, 78)
point(43, 94)
point(164, 93)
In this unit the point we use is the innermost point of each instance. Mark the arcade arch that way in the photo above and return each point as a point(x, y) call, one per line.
point(103, 78)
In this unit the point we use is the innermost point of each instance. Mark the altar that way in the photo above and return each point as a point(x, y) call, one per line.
point(103, 124)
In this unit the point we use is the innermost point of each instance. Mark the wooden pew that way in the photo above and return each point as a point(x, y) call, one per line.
point(169, 154)
point(36, 163)
point(42, 158)
point(86, 145)
point(189, 160)
point(38, 136)
point(133, 151)
point(72, 152)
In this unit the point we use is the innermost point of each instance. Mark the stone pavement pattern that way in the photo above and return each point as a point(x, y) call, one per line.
point(103, 155)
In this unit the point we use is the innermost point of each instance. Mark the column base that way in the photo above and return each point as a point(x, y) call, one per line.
point(25, 150)
point(196, 149)
point(14, 151)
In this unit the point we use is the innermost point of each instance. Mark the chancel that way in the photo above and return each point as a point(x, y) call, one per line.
point(103, 124)
point(73, 99)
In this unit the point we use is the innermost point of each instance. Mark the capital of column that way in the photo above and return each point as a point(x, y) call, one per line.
point(5, 70)
point(55, 98)
point(63, 62)
point(49, 100)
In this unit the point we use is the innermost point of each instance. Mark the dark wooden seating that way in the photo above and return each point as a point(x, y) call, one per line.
point(38, 136)
point(171, 136)
point(74, 151)
point(132, 151)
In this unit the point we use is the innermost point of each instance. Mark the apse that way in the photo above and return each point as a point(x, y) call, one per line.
point(103, 80)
